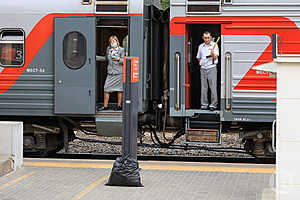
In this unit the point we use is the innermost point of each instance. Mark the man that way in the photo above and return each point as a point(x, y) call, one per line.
point(207, 55)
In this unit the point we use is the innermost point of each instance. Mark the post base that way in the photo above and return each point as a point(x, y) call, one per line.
point(125, 172)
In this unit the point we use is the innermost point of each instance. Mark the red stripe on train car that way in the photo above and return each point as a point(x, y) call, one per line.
point(34, 42)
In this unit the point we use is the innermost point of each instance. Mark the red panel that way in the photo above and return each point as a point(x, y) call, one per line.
point(34, 42)
point(134, 69)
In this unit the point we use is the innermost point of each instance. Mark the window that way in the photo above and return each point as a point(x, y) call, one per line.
point(125, 45)
point(12, 48)
point(74, 50)
point(203, 6)
point(109, 6)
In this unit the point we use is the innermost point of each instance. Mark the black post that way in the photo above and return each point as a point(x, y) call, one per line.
point(130, 108)
point(125, 170)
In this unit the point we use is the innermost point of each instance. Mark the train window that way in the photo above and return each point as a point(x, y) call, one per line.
point(86, 2)
point(125, 45)
point(12, 48)
point(108, 6)
point(74, 50)
point(203, 6)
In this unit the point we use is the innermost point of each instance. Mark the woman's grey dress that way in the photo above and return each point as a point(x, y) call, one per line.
point(114, 79)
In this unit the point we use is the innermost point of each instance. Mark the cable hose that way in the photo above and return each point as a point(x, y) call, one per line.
point(76, 125)
point(158, 141)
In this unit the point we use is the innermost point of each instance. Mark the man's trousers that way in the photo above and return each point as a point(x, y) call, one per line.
point(209, 79)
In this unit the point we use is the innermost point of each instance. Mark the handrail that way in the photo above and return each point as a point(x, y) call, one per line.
point(177, 81)
point(228, 80)
point(274, 45)
point(273, 136)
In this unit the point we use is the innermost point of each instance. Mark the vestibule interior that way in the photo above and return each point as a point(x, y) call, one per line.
point(107, 27)
point(195, 32)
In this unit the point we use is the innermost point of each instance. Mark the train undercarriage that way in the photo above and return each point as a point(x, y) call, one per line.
point(46, 136)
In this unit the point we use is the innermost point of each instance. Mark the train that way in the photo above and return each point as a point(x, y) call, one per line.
point(50, 80)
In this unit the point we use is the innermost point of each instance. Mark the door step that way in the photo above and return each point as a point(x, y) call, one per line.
point(203, 135)
point(109, 123)
point(204, 129)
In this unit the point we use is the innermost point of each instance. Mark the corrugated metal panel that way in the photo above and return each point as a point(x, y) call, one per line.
point(257, 98)
point(31, 94)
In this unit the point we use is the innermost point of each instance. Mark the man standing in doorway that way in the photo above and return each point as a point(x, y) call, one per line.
point(207, 55)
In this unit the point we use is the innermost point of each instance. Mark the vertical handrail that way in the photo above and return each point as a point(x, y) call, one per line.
point(273, 136)
point(228, 80)
point(275, 38)
point(177, 81)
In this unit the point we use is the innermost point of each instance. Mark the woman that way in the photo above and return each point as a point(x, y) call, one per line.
point(114, 55)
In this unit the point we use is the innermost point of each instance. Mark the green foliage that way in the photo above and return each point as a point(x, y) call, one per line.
point(165, 4)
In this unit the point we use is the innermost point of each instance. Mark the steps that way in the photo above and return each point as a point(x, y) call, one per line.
point(109, 123)
point(204, 129)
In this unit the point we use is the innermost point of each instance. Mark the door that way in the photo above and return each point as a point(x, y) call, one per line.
point(75, 65)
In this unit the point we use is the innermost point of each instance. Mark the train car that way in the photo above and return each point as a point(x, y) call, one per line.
point(246, 88)
point(49, 77)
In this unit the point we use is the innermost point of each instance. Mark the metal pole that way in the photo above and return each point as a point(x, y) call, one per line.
point(125, 171)
point(130, 108)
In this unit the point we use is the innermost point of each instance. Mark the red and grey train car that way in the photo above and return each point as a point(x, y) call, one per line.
point(49, 77)
point(247, 92)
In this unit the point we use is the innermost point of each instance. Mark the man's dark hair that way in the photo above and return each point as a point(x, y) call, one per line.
point(206, 32)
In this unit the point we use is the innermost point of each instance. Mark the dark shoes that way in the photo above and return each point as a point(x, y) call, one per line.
point(102, 108)
point(107, 108)
point(212, 108)
point(119, 108)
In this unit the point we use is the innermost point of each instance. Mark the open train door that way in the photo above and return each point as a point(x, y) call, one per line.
point(74, 65)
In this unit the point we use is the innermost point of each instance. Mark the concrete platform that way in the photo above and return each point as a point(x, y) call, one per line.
point(85, 179)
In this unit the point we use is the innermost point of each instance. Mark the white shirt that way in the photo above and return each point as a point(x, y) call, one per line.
point(203, 51)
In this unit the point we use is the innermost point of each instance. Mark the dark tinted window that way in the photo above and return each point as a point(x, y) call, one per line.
point(12, 48)
point(74, 50)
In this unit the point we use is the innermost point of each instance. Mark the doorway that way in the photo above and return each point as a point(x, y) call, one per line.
point(194, 37)
point(105, 28)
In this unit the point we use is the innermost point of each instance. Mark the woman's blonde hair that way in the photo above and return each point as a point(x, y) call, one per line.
point(113, 37)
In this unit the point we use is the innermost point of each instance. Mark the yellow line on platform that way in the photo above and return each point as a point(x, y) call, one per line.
point(71, 165)
point(90, 187)
point(16, 180)
point(210, 169)
point(157, 167)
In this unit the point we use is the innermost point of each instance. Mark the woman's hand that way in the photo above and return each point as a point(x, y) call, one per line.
point(116, 58)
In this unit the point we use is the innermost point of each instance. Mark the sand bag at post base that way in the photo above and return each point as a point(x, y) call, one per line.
point(125, 172)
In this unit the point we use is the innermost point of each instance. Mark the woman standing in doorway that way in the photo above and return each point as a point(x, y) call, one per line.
point(113, 83)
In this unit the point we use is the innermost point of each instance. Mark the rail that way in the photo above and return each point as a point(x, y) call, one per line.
point(228, 81)
point(273, 136)
point(177, 81)
point(275, 38)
